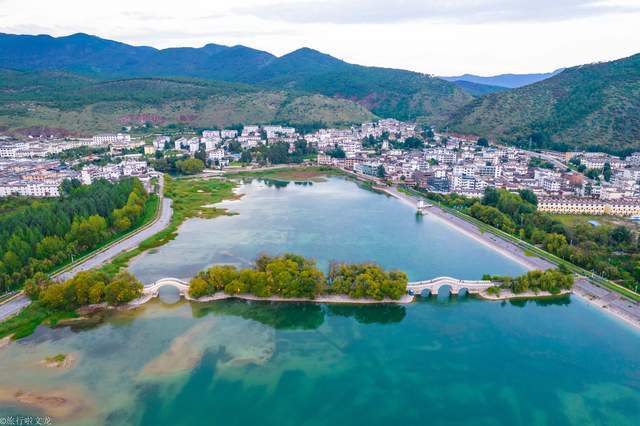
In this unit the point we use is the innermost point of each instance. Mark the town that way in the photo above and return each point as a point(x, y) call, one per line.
point(386, 151)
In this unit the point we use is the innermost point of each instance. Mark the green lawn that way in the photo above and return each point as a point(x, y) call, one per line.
point(25, 323)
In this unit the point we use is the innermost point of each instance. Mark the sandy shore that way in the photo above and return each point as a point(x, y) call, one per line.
point(616, 305)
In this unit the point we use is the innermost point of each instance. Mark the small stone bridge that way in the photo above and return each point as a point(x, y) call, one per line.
point(434, 286)
point(153, 289)
point(415, 288)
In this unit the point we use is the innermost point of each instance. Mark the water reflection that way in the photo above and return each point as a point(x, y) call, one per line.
point(299, 316)
point(169, 295)
point(278, 184)
point(370, 314)
point(562, 300)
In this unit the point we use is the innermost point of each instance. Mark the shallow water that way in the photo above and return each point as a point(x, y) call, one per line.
point(332, 220)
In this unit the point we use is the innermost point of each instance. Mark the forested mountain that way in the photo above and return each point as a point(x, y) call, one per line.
point(59, 102)
point(386, 92)
point(511, 81)
point(595, 106)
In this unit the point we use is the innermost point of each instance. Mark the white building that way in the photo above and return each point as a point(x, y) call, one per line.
point(228, 134)
point(109, 138)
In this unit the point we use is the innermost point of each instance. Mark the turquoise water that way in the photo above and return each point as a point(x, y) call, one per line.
point(333, 220)
point(439, 361)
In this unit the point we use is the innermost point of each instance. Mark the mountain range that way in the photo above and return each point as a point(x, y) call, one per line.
point(84, 83)
point(386, 92)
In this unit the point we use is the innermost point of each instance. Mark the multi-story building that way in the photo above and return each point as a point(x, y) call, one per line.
point(572, 205)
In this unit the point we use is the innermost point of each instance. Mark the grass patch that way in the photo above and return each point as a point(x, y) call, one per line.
point(191, 198)
point(25, 323)
point(573, 220)
point(56, 358)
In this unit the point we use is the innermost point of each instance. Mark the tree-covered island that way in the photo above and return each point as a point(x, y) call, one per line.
point(293, 276)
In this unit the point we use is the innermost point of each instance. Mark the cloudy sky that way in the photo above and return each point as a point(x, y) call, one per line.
point(442, 37)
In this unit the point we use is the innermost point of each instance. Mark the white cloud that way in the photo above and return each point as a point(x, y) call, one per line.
point(475, 11)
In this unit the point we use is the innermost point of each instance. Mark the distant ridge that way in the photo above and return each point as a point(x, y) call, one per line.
point(510, 81)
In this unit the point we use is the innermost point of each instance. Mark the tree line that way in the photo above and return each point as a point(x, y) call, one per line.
point(40, 235)
point(609, 250)
point(294, 276)
point(85, 288)
point(551, 280)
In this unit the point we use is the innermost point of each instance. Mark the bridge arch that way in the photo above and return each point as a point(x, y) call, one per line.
point(153, 289)
point(437, 285)
point(444, 288)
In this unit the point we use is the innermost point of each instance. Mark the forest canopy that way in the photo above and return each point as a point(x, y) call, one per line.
point(40, 235)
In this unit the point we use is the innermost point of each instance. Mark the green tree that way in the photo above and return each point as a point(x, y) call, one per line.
point(122, 289)
point(190, 166)
point(245, 157)
point(606, 172)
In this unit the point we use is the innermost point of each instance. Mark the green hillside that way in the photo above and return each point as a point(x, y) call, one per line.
point(594, 107)
point(384, 91)
point(68, 102)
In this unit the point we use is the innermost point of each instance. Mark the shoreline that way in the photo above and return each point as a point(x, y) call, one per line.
point(609, 303)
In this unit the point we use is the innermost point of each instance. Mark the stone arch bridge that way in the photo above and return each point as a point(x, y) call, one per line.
point(434, 285)
point(153, 289)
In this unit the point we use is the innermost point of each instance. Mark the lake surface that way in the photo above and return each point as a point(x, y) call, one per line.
point(332, 220)
point(439, 361)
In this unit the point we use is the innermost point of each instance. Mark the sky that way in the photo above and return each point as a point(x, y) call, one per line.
point(441, 37)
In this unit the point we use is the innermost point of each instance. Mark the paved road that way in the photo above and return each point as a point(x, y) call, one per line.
point(125, 245)
point(14, 306)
